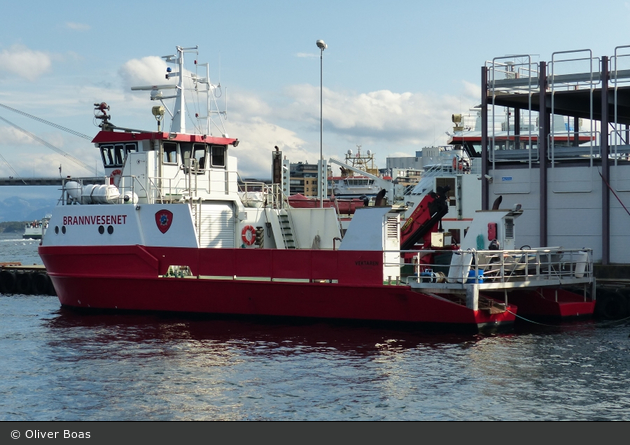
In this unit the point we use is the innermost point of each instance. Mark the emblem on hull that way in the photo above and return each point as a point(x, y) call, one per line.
point(163, 219)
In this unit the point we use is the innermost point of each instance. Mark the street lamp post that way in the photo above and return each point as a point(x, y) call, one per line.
point(322, 184)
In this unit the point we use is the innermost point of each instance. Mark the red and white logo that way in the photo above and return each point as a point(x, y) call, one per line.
point(163, 219)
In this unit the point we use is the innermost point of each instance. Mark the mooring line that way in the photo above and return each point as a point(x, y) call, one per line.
point(531, 321)
point(597, 324)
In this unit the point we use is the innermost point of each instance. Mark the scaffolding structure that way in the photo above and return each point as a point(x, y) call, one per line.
point(573, 110)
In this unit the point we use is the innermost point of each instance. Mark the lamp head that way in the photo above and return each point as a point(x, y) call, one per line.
point(321, 45)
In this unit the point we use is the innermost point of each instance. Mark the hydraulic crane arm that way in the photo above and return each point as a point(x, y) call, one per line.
point(425, 218)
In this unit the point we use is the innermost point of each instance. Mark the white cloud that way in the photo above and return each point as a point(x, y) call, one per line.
point(27, 157)
point(388, 122)
point(150, 71)
point(246, 106)
point(146, 71)
point(24, 62)
point(472, 90)
point(11, 136)
point(77, 26)
point(380, 116)
point(393, 124)
point(258, 141)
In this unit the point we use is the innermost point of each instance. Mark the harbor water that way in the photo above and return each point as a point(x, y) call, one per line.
point(58, 365)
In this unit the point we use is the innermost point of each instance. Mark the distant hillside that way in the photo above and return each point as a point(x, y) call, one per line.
point(19, 209)
point(12, 227)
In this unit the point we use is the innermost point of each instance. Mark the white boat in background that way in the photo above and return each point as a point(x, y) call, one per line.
point(36, 229)
point(359, 177)
point(458, 165)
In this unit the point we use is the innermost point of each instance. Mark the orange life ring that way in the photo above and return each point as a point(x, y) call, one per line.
point(460, 164)
point(248, 235)
point(114, 178)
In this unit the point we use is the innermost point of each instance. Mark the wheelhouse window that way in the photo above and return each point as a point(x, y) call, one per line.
point(114, 155)
point(196, 152)
point(170, 153)
point(218, 155)
point(199, 153)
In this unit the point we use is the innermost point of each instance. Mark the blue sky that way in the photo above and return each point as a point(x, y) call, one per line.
point(393, 73)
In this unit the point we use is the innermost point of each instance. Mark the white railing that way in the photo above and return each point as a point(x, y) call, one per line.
point(269, 194)
point(497, 269)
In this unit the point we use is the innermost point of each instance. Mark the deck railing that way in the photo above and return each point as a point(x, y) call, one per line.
point(498, 268)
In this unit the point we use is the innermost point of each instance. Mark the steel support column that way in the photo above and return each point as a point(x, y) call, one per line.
point(484, 138)
point(543, 137)
point(605, 165)
point(517, 128)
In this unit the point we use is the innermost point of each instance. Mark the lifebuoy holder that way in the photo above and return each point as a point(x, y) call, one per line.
point(248, 235)
point(114, 178)
point(460, 164)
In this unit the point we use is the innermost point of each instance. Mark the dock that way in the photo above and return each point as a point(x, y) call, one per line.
point(16, 278)
point(613, 291)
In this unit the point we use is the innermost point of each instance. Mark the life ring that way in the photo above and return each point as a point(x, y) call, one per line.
point(248, 235)
point(114, 178)
point(460, 164)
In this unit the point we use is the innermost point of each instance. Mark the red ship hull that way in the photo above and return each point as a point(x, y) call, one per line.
point(551, 303)
point(132, 278)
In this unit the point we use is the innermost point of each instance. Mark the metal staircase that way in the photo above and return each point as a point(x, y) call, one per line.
point(286, 229)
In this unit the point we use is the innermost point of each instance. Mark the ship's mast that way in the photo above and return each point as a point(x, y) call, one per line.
point(200, 85)
point(179, 118)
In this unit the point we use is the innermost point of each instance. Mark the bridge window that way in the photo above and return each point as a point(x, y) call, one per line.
point(199, 153)
point(185, 149)
point(170, 153)
point(114, 155)
point(218, 155)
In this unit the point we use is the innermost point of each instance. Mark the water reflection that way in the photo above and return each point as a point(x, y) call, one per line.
point(192, 368)
point(62, 365)
point(255, 336)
